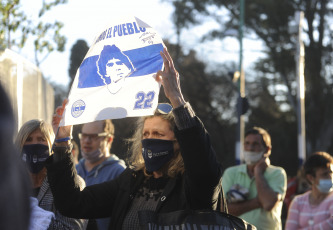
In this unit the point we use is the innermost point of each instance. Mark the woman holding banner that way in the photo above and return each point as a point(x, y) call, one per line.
point(173, 166)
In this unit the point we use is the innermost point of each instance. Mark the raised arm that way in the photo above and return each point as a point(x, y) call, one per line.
point(203, 173)
point(169, 78)
point(64, 131)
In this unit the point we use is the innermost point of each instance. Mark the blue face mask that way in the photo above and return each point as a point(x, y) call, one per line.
point(156, 153)
point(34, 156)
point(325, 185)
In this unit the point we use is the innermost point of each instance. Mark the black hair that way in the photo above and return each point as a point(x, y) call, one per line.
point(315, 161)
point(107, 54)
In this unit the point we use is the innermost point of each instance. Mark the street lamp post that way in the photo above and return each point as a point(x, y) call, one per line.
point(300, 90)
point(241, 87)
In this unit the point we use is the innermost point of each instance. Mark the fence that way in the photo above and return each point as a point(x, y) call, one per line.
point(30, 94)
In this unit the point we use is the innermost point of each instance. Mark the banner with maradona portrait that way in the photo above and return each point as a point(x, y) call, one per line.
point(117, 76)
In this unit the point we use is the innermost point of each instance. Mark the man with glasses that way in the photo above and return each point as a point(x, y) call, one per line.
point(98, 164)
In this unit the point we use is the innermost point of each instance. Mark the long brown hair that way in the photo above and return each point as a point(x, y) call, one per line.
point(136, 161)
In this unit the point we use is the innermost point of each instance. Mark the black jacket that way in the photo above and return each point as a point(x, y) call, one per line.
point(197, 188)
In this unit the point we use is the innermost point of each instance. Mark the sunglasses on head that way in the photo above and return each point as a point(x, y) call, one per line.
point(164, 108)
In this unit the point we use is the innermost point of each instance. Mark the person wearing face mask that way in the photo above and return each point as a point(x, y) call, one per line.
point(172, 167)
point(98, 164)
point(34, 141)
point(314, 209)
point(256, 189)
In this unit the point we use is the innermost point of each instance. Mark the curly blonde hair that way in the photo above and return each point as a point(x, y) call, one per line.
point(136, 161)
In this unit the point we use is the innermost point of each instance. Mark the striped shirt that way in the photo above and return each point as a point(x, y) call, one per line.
point(303, 216)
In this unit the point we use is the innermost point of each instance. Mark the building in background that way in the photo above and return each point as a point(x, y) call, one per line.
point(30, 94)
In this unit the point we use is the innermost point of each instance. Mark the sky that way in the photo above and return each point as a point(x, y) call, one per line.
point(84, 19)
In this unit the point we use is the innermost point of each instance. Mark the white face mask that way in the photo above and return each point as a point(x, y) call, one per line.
point(252, 157)
point(325, 185)
point(94, 156)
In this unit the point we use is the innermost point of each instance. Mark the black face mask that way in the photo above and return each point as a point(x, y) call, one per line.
point(34, 156)
point(156, 153)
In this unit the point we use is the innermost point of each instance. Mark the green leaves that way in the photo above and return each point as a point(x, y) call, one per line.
point(271, 83)
point(47, 6)
point(17, 29)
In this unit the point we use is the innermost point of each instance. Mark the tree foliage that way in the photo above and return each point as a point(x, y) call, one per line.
point(78, 52)
point(206, 92)
point(60, 93)
point(273, 98)
point(17, 27)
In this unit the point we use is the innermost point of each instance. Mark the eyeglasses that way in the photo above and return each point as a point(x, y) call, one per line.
point(164, 108)
point(93, 137)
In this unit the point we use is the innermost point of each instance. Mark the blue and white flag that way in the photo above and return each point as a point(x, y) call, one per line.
point(117, 76)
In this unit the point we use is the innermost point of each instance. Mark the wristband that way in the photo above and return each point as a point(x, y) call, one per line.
point(62, 139)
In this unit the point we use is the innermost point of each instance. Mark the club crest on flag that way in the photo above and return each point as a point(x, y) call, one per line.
point(78, 108)
point(116, 79)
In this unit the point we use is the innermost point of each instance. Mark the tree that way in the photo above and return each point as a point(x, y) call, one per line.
point(269, 21)
point(78, 52)
point(59, 94)
point(281, 125)
point(16, 28)
point(209, 94)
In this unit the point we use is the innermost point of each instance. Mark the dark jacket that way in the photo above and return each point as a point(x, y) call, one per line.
point(197, 188)
point(108, 170)
point(60, 222)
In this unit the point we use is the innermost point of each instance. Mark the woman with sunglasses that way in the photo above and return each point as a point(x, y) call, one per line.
point(173, 166)
point(34, 140)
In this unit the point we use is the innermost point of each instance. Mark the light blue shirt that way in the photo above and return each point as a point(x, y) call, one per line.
point(108, 170)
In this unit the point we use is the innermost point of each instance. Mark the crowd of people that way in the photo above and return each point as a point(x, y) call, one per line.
point(172, 167)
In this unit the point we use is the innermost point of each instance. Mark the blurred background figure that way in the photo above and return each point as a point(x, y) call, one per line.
point(97, 164)
point(314, 209)
point(255, 190)
point(34, 141)
point(14, 182)
point(295, 185)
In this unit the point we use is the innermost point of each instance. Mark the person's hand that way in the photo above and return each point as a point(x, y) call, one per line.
point(237, 193)
point(261, 166)
point(64, 131)
point(169, 78)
